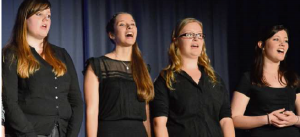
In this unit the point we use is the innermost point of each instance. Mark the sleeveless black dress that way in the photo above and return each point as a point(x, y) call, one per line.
point(120, 111)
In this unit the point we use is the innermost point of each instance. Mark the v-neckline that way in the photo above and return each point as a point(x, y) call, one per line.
point(38, 57)
point(191, 79)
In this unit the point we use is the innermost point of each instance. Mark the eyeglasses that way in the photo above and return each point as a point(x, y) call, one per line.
point(193, 35)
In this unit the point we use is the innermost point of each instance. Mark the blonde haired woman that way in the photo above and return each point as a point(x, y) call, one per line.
point(190, 98)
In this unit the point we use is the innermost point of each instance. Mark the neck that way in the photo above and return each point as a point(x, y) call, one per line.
point(35, 43)
point(270, 66)
point(123, 53)
point(188, 63)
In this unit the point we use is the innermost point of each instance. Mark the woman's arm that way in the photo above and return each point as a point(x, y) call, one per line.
point(160, 126)
point(15, 116)
point(297, 105)
point(238, 105)
point(147, 122)
point(75, 99)
point(227, 127)
point(91, 95)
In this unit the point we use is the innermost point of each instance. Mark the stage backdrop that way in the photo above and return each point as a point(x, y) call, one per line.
point(229, 25)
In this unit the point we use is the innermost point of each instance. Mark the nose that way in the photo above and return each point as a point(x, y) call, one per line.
point(282, 43)
point(129, 26)
point(46, 18)
point(195, 38)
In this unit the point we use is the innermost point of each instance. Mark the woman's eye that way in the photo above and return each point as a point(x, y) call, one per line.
point(49, 16)
point(286, 41)
point(121, 25)
point(275, 39)
point(132, 24)
point(38, 14)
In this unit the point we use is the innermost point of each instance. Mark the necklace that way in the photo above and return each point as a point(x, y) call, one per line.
point(125, 65)
point(127, 68)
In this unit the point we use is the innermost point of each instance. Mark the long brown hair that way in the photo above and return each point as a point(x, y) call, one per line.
point(257, 77)
point(175, 57)
point(26, 63)
point(140, 73)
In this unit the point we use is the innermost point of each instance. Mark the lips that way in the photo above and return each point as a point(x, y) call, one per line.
point(281, 51)
point(44, 26)
point(195, 46)
point(129, 34)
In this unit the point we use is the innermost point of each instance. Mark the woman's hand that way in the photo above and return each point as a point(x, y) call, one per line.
point(285, 119)
point(274, 120)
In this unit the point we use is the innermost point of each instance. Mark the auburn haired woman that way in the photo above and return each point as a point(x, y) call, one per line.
point(41, 95)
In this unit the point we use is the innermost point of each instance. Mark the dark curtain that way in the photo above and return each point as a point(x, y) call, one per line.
point(230, 27)
point(155, 21)
point(244, 19)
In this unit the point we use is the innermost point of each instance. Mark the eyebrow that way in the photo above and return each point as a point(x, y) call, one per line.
point(192, 32)
point(279, 36)
point(124, 20)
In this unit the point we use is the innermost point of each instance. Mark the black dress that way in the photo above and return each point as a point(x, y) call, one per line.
point(265, 100)
point(193, 110)
point(34, 105)
point(120, 111)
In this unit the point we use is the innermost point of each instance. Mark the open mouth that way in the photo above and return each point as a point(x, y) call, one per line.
point(280, 51)
point(129, 35)
point(195, 46)
point(44, 26)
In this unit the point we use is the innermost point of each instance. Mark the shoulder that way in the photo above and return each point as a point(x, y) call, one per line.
point(57, 49)
point(159, 78)
point(8, 53)
point(246, 75)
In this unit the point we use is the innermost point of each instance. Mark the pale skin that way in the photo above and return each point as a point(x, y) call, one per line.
point(124, 25)
point(38, 26)
point(278, 118)
point(190, 50)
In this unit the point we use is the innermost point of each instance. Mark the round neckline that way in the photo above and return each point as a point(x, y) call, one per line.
point(277, 87)
point(116, 59)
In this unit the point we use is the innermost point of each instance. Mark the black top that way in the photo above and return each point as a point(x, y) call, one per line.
point(265, 100)
point(118, 98)
point(33, 105)
point(193, 110)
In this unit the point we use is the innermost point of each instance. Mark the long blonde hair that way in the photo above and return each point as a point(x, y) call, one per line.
point(141, 77)
point(175, 56)
point(26, 63)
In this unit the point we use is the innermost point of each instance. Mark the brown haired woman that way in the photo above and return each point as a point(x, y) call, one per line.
point(41, 95)
point(118, 86)
point(267, 100)
point(190, 98)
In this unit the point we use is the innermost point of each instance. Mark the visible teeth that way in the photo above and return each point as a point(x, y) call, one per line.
point(44, 25)
point(280, 50)
point(194, 45)
point(129, 34)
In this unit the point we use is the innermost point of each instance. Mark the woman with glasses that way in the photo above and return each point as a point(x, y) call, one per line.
point(267, 100)
point(190, 98)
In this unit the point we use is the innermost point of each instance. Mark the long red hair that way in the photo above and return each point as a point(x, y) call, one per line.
point(26, 63)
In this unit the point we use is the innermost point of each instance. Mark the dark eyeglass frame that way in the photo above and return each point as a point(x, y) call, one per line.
point(194, 35)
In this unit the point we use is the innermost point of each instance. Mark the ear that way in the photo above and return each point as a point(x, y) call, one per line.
point(111, 35)
point(174, 39)
point(259, 44)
